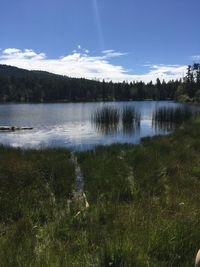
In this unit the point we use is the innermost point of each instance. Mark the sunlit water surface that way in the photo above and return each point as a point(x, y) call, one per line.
point(69, 125)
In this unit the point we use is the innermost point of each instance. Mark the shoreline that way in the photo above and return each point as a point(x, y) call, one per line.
point(136, 200)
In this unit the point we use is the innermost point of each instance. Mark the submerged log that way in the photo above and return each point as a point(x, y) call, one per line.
point(14, 128)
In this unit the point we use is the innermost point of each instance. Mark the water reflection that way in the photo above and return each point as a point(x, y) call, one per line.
point(169, 118)
point(70, 125)
point(109, 120)
point(106, 128)
point(106, 120)
point(130, 129)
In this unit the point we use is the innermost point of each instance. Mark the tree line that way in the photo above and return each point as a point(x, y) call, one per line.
point(19, 85)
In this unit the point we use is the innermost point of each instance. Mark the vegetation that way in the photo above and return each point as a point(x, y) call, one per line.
point(189, 90)
point(143, 205)
point(106, 115)
point(130, 116)
point(107, 119)
point(34, 188)
point(130, 119)
point(147, 199)
point(167, 118)
point(20, 85)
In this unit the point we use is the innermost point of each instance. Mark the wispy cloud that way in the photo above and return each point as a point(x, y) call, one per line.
point(196, 57)
point(80, 63)
point(113, 53)
point(13, 53)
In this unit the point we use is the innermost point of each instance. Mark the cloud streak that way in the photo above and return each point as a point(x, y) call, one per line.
point(196, 58)
point(82, 64)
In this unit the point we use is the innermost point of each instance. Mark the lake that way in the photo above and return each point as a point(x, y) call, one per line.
point(69, 125)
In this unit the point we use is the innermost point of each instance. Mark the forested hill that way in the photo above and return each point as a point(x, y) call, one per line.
point(19, 85)
point(9, 71)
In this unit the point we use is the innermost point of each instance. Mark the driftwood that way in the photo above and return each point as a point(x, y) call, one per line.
point(13, 128)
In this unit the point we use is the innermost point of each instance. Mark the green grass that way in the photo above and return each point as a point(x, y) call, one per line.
point(150, 196)
point(143, 205)
point(34, 188)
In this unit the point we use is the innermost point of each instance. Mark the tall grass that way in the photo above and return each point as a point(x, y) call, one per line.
point(107, 119)
point(106, 115)
point(143, 205)
point(130, 119)
point(146, 200)
point(168, 118)
point(130, 116)
point(34, 189)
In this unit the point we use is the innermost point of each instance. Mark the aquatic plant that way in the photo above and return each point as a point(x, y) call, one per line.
point(167, 118)
point(106, 119)
point(106, 115)
point(130, 119)
point(130, 115)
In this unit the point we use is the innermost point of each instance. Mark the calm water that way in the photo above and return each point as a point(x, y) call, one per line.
point(69, 125)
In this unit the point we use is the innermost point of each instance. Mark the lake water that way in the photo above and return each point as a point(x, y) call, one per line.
point(69, 125)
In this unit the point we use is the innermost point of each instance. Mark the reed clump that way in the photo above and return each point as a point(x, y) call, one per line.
point(169, 118)
point(107, 119)
point(130, 116)
point(106, 115)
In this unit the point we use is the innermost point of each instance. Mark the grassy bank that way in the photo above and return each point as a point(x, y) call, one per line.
point(34, 188)
point(143, 205)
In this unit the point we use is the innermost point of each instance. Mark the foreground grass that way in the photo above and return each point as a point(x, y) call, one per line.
point(147, 199)
point(144, 205)
point(34, 188)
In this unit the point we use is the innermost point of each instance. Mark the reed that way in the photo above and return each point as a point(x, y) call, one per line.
point(130, 115)
point(106, 119)
point(106, 115)
point(168, 118)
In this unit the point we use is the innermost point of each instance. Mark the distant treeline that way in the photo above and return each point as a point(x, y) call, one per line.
point(19, 85)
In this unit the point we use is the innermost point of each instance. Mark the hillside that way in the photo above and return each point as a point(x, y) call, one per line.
point(20, 85)
point(9, 71)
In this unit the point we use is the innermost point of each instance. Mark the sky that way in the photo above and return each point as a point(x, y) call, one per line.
point(119, 40)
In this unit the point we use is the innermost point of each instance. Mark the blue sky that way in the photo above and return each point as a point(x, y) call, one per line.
point(110, 39)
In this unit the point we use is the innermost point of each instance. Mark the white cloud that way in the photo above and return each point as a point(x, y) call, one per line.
point(196, 57)
point(83, 64)
point(112, 53)
point(10, 51)
point(169, 72)
point(13, 53)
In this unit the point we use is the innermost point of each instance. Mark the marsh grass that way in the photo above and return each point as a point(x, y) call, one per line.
point(168, 118)
point(107, 119)
point(130, 119)
point(143, 205)
point(34, 189)
point(130, 116)
point(106, 115)
point(150, 197)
